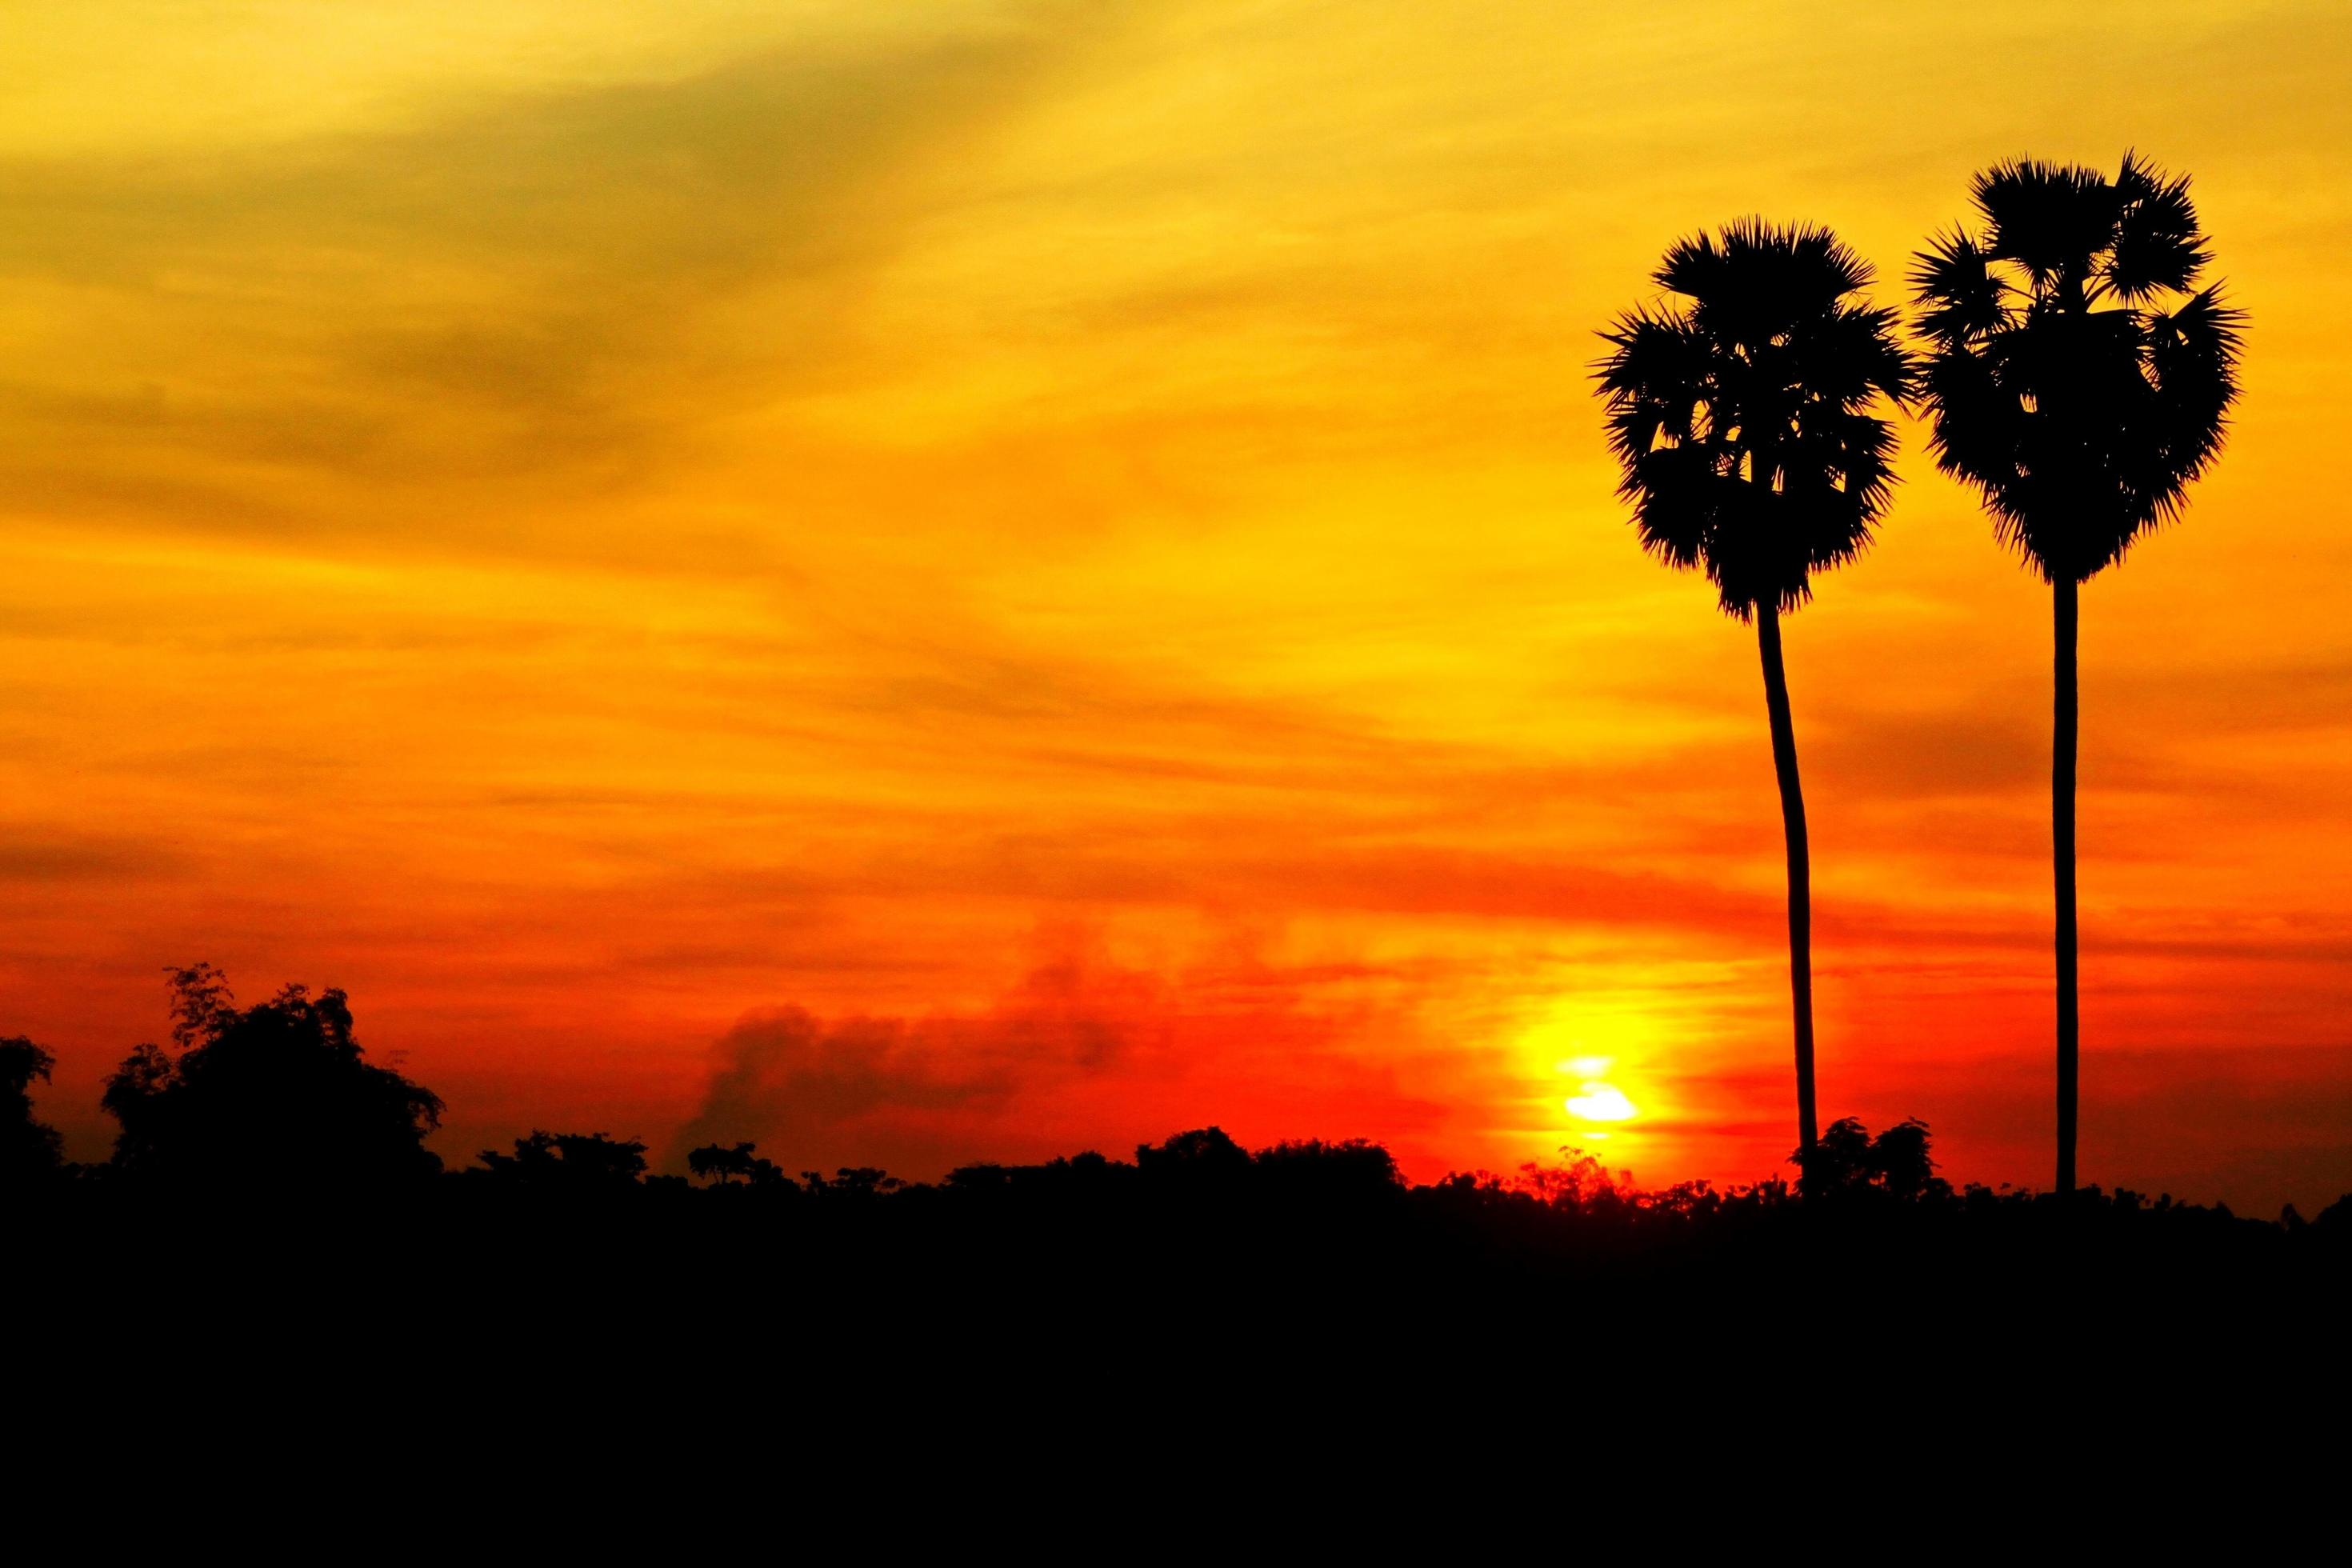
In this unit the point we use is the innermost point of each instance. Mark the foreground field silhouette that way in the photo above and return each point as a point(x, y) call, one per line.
point(271, 1235)
point(264, 1132)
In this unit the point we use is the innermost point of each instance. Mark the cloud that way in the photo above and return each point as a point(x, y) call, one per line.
point(537, 291)
point(51, 856)
point(1081, 1053)
point(915, 1094)
point(1902, 759)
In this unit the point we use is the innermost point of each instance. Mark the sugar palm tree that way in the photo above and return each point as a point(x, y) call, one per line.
point(2078, 387)
point(1741, 411)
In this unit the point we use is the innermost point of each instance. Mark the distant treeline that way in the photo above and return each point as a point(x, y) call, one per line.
point(274, 1110)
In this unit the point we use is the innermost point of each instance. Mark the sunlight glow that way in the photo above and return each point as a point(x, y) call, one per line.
point(1598, 1101)
point(1090, 544)
point(1598, 1042)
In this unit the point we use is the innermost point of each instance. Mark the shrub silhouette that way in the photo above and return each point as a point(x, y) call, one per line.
point(860, 1184)
point(1894, 1163)
point(1201, 1167)
point(30, 1151)
point(1352, 1172)
point(724, 1165)
point(565, 1163)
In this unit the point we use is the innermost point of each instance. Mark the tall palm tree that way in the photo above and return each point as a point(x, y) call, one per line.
point(2079, 387)
point(1740, 408)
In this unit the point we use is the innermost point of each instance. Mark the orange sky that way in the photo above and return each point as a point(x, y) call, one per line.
point(921, 582)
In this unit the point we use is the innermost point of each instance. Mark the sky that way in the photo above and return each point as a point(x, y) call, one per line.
point(921, 582)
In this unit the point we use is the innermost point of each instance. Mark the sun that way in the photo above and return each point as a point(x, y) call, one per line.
point(1597, 1099)
point(1598, 1047)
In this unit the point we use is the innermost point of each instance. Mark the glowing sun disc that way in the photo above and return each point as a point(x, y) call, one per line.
point(1599, 1102)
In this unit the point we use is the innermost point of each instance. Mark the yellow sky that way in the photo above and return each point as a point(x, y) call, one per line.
point(1077, 533)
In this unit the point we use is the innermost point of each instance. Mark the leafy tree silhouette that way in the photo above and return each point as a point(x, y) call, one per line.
point(1896, 1162)
point(716, 1162)
point(852, 1184)
point(1313, 1172)
point(1741, 417)
point(30, 1151)
point(276, 1093)
point(1584, 1183)
point(566, 1162)
point(724, 1165)
point(2076, 390)
point(1203, 1159)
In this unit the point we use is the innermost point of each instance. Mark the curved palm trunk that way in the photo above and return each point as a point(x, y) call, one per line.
point(1800, 890)
point(2064, 707)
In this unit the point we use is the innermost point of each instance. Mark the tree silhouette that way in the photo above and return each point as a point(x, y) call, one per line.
point(569, 1163)
point(1896, 1162)
point(276, 1093)
point(724, 1165)
point(2078, 391)
point(1336, 1173)
point(852, 1184)
point(1202, 1160)
point(29, 1150)
point(1741, 414)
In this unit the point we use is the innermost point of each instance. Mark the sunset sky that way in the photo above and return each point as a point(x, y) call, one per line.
point(920, 582)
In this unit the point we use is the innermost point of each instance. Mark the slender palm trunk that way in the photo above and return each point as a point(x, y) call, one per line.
point(2065, 618)
point(1800, 890)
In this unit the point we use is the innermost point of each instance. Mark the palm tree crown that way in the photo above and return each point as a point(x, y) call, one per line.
point(2064, 389)
point(1739, 412)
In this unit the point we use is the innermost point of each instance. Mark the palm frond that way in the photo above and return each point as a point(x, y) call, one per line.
point(1657, 350)
point(2196, 347)
point(1677, 492)
point(2157, 245)
point(2051, 219)
point(1864, 354)
point(2192, 358)
point(1964, 296)
point(1756, 281)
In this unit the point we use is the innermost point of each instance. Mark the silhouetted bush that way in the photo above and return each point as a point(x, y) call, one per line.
point(30, 1152)
point(1849, 1163)
point(277, 1095)
point(1203, 1159)
point(711, 1162)
point(564, 1162)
